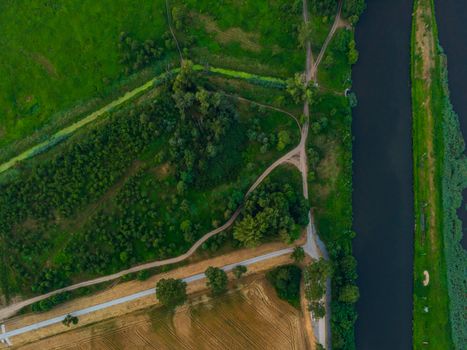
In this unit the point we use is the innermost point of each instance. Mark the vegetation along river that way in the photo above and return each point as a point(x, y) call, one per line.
point(383, 195)
point(452, 31)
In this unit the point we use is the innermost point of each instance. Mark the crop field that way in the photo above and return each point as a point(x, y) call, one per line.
point(249, 318)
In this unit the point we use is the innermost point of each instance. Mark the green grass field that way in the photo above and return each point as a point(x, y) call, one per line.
point(255, 36)
point(58, 56)
point(431, 320)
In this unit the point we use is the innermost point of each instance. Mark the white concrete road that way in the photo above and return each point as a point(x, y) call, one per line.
point(9, 334)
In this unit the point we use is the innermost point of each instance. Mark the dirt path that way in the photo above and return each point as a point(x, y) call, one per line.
point(337, 24)
point(169, 23)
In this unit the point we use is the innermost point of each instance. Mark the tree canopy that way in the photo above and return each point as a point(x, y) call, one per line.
point(171, 292)
point(216, 280)
point(286, 281)
point(272, 209)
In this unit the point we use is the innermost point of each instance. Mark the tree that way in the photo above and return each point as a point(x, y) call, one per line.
point(69, 320)
point(319, 346)
point(239, 270)
point(298, 254)
point(248, 232)
point(349, 294)
point(217, 280)
point(324, 7)
point(171, 292)
point(296, 87)
point(315, 276)
point(318, 309)
point(348, 267)
point(286, 281)
point(353, 53)
point(284, 140)
point(352, 9)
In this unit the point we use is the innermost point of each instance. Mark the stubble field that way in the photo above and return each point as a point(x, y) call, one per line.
point(251, 317)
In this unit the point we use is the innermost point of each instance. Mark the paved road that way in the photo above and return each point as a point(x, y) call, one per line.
point(88, 310)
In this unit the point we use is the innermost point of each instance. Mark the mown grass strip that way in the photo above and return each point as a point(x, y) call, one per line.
point(439, 177)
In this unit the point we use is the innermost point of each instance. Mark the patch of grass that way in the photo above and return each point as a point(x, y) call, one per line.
point(57, 55)
point(256, 36)
point(335, 69)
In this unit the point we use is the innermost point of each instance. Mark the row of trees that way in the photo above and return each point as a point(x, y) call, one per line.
point(172, 292)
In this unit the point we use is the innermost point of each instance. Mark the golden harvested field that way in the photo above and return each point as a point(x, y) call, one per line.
point(251, 317)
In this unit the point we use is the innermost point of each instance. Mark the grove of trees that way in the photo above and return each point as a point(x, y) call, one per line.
point(273, 209)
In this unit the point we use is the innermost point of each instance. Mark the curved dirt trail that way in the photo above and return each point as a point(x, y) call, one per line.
point(335, 26)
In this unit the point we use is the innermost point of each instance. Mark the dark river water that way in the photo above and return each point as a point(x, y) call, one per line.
point(383, 196)
point(452, 30)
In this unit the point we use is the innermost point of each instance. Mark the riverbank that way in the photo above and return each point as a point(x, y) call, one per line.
point(439, 164)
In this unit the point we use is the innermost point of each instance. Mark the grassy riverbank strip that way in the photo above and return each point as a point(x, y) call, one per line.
point(439, 177)
point(66, 132)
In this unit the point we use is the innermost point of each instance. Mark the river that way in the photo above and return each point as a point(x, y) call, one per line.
point(383, 195)
point(452, 27)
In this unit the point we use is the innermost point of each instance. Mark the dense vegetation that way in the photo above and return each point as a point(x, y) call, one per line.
point(216, 280)
point(454, 182)
point(330, 174)
point(93, 196)
point(171, 292)
point(324, 7)
point(286, 281)
point(315, 277)
point(274, 208)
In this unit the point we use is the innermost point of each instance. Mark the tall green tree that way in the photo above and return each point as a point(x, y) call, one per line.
point(171, 292)
point(216, 280)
